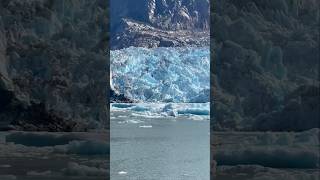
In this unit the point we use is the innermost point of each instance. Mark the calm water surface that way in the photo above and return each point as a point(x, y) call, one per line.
point(159, 148)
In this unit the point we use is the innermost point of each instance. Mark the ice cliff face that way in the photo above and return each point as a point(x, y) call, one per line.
point(162, 74)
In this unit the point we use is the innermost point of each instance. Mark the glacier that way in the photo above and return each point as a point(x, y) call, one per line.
point(163, 74)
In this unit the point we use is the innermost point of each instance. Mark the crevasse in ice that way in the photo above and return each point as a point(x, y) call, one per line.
point(175, 74)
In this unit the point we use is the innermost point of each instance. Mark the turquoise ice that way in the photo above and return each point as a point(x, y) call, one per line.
point(162, 74)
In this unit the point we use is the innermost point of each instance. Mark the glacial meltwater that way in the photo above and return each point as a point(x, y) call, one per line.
point(152, 141)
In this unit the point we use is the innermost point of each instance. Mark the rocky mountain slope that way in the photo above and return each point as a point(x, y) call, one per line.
point(159, 23)
point(137, 34)
point(52, 64)
point(265, 66)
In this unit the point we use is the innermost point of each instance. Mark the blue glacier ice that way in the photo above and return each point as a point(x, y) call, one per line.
point(174, 74)
point(197, 111)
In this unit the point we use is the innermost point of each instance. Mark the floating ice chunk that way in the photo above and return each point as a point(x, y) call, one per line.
point(132, 121)
point(75, 169)
point(88, 147)
point(264, 173)
point(271, 149)
point(39, 139)
point(35, 173)
point(199, 118)
point(289, 138)
point(276, 157)
point(145, 126)
point(5, 166)
point(170, 110)
point(122, 173)
point(194, 111)
point(311, 136)
point(8, 177)
point(140, 108)
point(122, 105)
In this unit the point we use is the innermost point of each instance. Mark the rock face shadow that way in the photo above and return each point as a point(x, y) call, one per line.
point(265, 89)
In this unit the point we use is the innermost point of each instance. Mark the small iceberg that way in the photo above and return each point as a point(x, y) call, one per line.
point(122, 173)
point(145, 126)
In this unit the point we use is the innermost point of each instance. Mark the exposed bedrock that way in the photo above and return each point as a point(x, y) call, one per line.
point(159, 23)
point(163, 14)
point(265, 52)
point(300, 112)
point(52, 64)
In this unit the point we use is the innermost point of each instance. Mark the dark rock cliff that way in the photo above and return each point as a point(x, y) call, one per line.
point(53, 64)
point(265, 52)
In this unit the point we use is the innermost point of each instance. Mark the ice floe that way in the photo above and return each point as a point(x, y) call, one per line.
point(122, 173)
point(8, 177)
point(85, 148)
point(36, 173)
point(75, 169)
point(196, 111)
point(40, 139)
point(257, 172)
point(298, 150)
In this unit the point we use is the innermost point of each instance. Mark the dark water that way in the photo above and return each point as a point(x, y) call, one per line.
point(23, 162)
point(159, 148)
